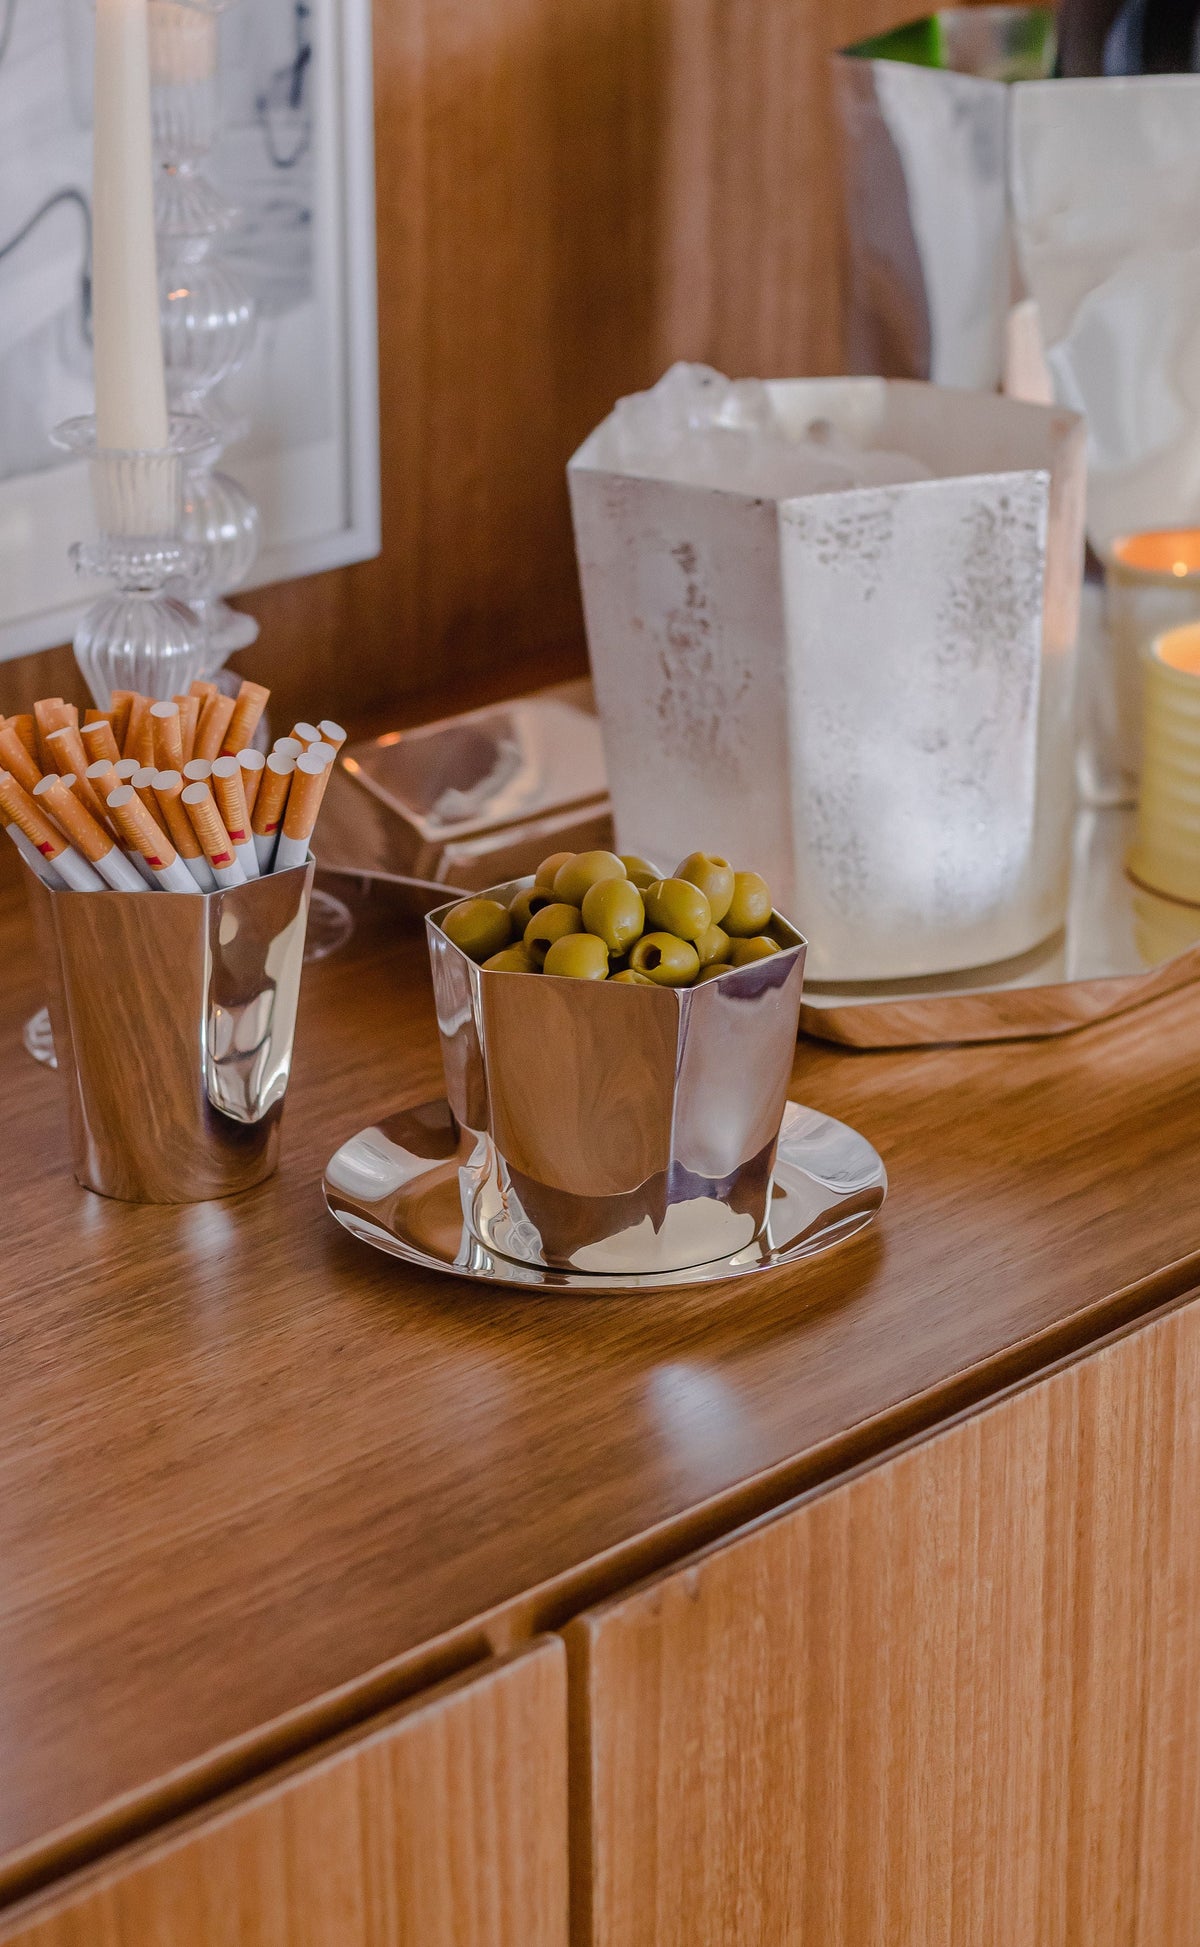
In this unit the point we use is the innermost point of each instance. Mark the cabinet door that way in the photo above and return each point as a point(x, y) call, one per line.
point(444, 1825)
point(954, 1700)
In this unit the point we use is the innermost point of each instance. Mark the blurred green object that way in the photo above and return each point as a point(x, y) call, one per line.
point(995, 43)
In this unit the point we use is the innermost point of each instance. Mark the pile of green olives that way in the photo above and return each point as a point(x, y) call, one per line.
point(604, 916)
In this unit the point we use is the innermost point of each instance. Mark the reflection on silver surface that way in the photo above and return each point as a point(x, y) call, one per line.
point(1122, 945)
point(619, 1129)
point(404, 1186)
point(488, 794)
point(174, 1019)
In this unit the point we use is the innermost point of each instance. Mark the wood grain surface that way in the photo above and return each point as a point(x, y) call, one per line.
point(257, 1481)
point(952, 1703)
point(569, 197)
point(445, 1826)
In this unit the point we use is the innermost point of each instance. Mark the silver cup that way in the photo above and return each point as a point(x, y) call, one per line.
point(174, 1019)
point(618, 1129)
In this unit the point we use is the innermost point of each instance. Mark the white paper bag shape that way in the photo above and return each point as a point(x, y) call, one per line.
point(866, 695)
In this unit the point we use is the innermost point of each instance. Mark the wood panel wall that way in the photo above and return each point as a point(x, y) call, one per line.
point(571, 194)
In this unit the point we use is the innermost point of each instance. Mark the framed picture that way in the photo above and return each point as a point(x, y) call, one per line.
point(295, 155)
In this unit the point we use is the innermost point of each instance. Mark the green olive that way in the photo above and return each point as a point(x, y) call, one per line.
point(713, 946)
point(522, 909)
point(584, 870)
point(750, 908)
point(549, 869)
point(513, 959)
point(714, 877)
point(759, 947)
point(630, 977)
point(713, 972)
point(668, 960)
point(578, 956)
point(479, 927)
point(674, 906)
point(639, 871)
point(614, 911)
point(552, 923)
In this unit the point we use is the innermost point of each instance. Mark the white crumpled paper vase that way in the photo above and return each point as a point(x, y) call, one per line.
point(865, 694)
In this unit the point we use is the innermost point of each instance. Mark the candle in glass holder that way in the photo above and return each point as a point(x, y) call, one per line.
point(1166, 850)
point(131, 393)
point(1152, 583)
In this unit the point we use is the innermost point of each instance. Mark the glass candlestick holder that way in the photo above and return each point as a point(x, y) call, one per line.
point(141, 636)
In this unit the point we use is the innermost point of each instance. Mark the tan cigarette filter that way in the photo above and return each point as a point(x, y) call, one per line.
point(20, 810)
point(189, 723)
point(67, 754)
point(304, 799)
point(168, 736)
point(197, 770)
point(272, 795)
point(99, 740)
point(103, 776)
point(168, 790)
point(49, 715)
point(306, 734)
point(331, 733)
point(122, 703)
point(26, 730)
point(248, 708)
point(141, 832)
point(253, 764)
point(202, 689)
point(207, 824)
point(214, 722)
point(93, 716)
point(139, 731)
point(16, 759)
point(230, 794)
point(71, 815)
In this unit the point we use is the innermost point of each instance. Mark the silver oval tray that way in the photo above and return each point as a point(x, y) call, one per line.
point(402, 1187)
point(1121, 947)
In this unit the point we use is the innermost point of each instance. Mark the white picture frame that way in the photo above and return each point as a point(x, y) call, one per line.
point(309, 392)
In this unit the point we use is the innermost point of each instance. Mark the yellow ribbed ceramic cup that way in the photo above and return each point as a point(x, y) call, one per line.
point(1166, 850)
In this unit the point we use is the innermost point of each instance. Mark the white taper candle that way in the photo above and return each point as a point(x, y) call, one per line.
point(131, 395)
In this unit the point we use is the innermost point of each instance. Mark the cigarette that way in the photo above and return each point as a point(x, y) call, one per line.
point(268, 806)
point(26, 730)
point(198, 770)
point(126, 768)
point(51, 714)
point(68, 756)
point(303, 806)
point(41, 867)
point(189, 720)
point(248, 708)
point(94, 716)
point(144, 834)
point(121, 703)
point(15, 758)
point(203, 690)
point(306, 734)
point(57, 796)
point(139, 732)
point(206, 823)
point(168, 791)
point(230, 795)
point(253, 764)
point(143, 783)
point(19, 809)
point(167, 731)
point(214, 722)
point(288, 747)
point(331, 733)
point(99, 740)
point(323, 752)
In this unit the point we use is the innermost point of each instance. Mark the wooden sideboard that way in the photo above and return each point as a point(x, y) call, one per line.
point(856, 1603)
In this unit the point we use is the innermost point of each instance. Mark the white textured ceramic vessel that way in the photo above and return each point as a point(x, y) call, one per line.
point(868, 694)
